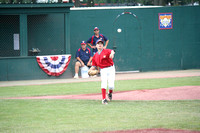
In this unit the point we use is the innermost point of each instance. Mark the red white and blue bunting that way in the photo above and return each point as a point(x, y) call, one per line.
point(54, 65)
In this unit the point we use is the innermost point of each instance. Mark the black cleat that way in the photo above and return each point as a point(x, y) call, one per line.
point(104, 101)
point(110, 96)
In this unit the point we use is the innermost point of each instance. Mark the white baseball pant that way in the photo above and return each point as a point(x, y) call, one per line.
point(108, 76)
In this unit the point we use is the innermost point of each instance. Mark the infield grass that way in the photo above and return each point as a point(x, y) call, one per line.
point(94, 87)
point(22, 116)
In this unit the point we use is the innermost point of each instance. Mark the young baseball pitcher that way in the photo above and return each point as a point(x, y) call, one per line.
point(104, 59)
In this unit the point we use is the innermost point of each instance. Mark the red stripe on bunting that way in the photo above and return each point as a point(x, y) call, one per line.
point(53, 73)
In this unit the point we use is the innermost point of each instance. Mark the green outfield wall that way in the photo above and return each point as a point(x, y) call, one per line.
point(140, 46)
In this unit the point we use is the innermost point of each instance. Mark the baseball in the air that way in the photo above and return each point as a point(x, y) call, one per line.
point(119, 30)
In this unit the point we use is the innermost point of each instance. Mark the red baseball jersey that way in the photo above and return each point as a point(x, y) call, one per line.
point(102, 60)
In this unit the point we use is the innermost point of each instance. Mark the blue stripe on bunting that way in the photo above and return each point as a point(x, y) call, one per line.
point(53, 65)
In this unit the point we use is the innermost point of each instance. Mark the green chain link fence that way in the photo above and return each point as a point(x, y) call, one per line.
point(9, 35)
point(45, 35)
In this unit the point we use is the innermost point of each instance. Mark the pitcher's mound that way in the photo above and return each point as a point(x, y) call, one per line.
point(173, 93)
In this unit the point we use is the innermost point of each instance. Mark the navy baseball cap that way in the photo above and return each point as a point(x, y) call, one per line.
point(99, 41)
point(83, 43)
point(96, 28)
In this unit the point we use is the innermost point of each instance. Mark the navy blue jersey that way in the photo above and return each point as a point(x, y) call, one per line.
point(84, 55)
point(93, 40)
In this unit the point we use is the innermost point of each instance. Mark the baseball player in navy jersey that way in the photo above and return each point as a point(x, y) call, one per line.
point(83, 56)
point(92, 40)
point(104, 59)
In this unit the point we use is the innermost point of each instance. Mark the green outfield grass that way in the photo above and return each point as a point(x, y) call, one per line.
point(94, 87)
point(64, 115)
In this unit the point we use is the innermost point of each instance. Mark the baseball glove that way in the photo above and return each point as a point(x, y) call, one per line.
point(92, 72)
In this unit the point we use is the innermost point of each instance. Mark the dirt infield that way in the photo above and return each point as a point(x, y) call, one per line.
point(173, 93)
point(152, 131)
